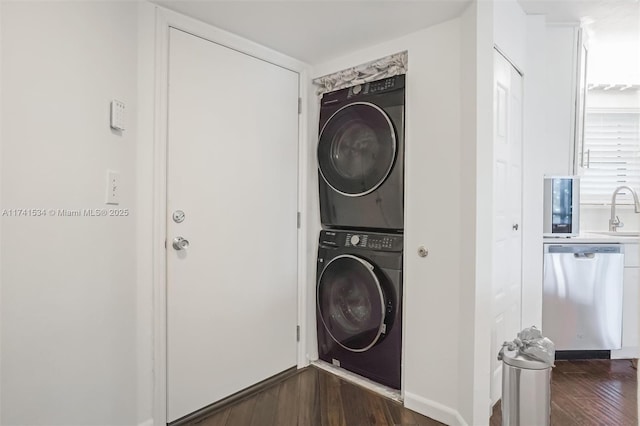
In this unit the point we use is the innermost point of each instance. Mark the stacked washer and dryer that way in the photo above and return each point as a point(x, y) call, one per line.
point(359, 268)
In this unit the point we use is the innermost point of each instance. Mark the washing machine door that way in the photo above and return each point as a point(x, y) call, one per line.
point(357, 148)
point(352, 303)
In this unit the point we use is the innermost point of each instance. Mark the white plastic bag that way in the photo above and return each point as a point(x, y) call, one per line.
point(531, 343)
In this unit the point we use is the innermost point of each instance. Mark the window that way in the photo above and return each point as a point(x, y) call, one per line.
point(611, 154)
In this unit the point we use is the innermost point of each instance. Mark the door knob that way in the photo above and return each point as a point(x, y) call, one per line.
point(515, 227)
point(180, 243)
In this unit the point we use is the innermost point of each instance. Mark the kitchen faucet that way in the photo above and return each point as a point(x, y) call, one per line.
point(614, 221)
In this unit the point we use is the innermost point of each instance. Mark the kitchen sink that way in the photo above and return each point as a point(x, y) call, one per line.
point(617, 233)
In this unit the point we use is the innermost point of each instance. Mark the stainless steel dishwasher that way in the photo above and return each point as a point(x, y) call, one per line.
point(582, 302)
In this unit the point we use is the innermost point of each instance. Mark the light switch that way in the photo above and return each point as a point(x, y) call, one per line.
point(117, 114)
point(113, 187)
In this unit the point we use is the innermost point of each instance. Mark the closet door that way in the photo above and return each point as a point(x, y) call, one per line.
point(507, 211)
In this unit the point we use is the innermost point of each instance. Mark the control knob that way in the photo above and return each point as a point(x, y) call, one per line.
point(355, 240)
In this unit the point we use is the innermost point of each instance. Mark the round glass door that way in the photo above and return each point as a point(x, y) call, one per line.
point(357, 148)
point(351, 303)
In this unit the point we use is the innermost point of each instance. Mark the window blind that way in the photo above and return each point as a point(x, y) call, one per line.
point(612, 151)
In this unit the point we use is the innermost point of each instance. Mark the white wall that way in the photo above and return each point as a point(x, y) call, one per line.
point(476, 195)
point(68, 283)
point(468, 198)
point(144, 209)
point(435, 208)
point(509, 31)
point(536, 162)
point(596, 218)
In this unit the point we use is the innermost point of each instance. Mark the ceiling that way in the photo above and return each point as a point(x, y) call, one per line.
point(318, 30)
point(604, 19)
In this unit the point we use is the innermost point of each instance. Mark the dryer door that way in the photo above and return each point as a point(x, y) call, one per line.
point(352, 303)
point(357, 148)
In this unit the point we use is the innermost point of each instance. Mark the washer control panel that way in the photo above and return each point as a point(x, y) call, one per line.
point(370, 241)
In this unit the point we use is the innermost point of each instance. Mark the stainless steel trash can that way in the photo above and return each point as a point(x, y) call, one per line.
point(526, 390)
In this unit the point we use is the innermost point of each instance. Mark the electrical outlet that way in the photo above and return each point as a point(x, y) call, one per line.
point(117, 114)
point(113, 187)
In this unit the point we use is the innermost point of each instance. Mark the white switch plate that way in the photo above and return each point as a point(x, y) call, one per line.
point(117, 114)
point(113, 187)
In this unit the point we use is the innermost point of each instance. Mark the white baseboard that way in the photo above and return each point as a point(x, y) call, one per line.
point(434, 410)
point(148, 422)
point(626, 353)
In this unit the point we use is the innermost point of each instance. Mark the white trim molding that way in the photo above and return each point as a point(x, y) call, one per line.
point(433, 410)
point(373, 70)
point(628, 352)
point(303, 262)
point(1, 145)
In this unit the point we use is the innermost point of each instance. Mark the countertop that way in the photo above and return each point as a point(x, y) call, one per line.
point(588, 237)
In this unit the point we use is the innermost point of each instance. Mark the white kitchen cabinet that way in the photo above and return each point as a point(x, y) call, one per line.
point(630, 308)
point(631, 256)
point(561, 70)
point(630, 305)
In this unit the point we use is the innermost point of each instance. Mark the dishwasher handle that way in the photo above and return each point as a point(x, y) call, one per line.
point(584, 255)
point(580, 249)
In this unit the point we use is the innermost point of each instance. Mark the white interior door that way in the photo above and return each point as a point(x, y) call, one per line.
point(232, 169)
point(507, 196)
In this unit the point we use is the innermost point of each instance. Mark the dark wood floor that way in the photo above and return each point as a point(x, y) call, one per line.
point(585, 393)
point(591, 392)
point(313, 397)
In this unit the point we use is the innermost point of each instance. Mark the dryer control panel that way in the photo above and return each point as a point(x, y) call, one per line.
point(353, 93)
point(386, 84)
point(373, 87)
point(362, 240)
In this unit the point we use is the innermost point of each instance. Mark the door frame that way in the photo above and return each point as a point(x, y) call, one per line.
point(164, 20)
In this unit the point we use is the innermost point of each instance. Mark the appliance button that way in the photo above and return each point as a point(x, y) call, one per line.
point(355, 239)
